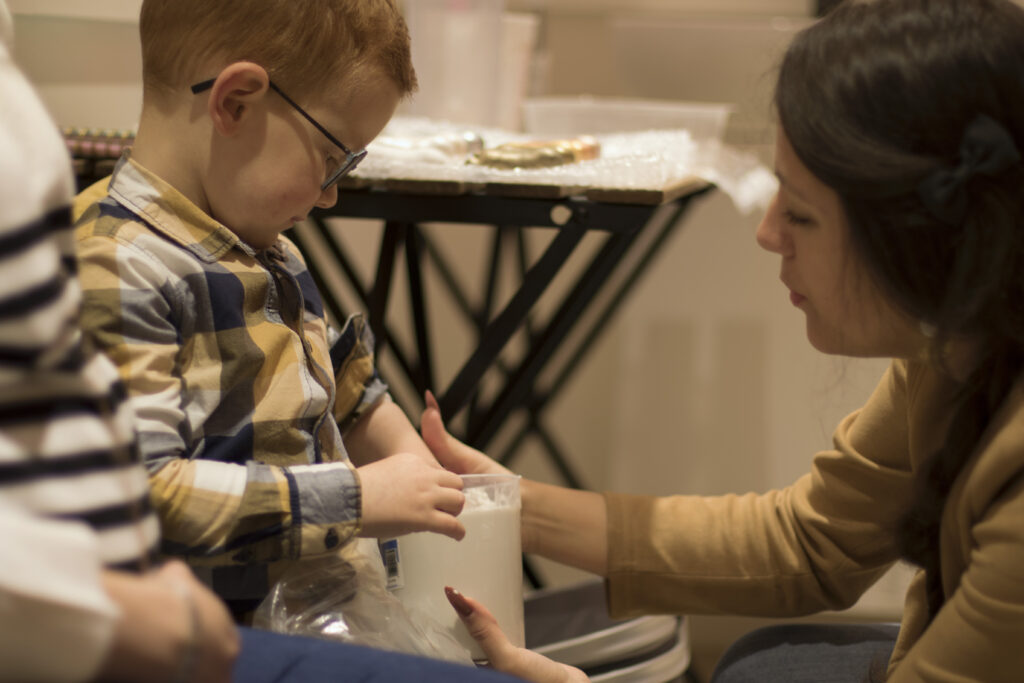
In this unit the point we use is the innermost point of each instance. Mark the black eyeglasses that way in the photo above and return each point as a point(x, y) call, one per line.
point(347, 165)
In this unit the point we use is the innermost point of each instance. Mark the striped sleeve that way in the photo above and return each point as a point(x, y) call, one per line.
point(66, 436)
point(38, 297)
point(73, 497)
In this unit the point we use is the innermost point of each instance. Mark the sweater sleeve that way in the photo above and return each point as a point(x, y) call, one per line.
point(977, 634)
point(818, 544)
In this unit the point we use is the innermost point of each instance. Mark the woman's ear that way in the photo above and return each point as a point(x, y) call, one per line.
point(234, 92)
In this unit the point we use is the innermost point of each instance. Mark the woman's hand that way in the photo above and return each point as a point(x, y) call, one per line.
point(404, 493)
point(449, 451)
point(565, 525)
point(503, 655)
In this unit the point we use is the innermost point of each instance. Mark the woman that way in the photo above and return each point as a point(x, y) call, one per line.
point(900, 226)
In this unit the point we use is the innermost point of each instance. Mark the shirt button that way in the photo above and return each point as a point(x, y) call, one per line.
point(331, 539)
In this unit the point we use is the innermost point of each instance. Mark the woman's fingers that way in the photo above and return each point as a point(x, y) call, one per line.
point(431, 401)
point(449, 451)
point(502, 654)
point(483, 627)
point(434, 433)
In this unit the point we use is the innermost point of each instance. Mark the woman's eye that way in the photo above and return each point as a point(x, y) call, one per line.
point(794, 219)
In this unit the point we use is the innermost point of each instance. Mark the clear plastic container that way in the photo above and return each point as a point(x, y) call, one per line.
point(486, 565)
point(456, 53)
point(584, 115)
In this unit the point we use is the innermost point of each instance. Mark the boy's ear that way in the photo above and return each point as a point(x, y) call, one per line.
point(236, 89)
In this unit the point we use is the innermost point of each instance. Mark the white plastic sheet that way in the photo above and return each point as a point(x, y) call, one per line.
point(422, 149)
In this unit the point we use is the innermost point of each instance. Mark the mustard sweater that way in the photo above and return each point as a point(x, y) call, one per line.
point(820, 543)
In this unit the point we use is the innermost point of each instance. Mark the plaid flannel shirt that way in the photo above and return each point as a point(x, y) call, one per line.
point(237, 380)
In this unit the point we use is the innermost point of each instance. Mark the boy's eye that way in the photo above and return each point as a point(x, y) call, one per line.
point(794, 219)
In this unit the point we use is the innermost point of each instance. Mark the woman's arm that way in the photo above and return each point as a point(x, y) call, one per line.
point(565, 525)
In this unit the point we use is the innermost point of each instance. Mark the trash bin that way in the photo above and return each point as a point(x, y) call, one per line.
point(571, 625)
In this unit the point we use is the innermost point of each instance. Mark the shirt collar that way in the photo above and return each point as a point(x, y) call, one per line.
point(171, 213)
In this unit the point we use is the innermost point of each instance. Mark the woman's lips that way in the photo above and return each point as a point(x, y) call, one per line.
point(796, 298)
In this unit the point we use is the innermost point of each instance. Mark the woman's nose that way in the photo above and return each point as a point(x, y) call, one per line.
point(771, 234)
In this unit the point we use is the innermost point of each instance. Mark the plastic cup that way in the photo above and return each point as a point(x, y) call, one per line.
point(485, 565)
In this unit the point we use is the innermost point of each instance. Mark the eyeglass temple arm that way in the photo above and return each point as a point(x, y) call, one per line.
point(207, 84)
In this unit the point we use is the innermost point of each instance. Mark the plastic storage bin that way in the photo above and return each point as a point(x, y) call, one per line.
point(568, 116)
point(571, 625)
point(456, 52)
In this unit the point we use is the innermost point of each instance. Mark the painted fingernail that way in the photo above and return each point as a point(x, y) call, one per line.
point(458, 601)
point(431, 401)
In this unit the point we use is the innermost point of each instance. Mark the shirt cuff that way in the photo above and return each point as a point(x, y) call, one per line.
point(327, 505)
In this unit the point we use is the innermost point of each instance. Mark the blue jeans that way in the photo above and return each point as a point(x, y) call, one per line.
point(274, 658)
point(818, 653)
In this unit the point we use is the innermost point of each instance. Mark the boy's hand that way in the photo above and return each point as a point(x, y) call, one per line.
point(404, 493)
point(503, 655)
point(449, 451)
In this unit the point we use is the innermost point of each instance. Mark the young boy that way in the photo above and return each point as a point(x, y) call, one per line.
point(252, 110)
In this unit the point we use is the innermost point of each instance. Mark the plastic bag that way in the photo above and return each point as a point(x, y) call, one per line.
point(344, 596)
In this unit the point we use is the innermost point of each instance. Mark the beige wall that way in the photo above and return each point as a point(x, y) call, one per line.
point(87, 68)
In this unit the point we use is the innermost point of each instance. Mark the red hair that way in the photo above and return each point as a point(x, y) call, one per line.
point(301, 43)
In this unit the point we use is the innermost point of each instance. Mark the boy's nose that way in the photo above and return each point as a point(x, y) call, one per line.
point(328, 197)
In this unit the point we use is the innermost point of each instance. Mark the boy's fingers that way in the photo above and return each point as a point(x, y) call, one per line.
point(449, 526)
point(449, 479)
point(450, 501)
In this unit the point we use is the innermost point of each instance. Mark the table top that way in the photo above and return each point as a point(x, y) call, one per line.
point(611, 195)
point(647, 168)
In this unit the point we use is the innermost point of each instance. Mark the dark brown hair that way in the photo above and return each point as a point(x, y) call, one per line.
point(874, 98)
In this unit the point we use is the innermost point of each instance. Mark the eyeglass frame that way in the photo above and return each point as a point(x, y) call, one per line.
point(352, 159)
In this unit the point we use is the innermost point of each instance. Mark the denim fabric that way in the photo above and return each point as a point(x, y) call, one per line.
point(274, 658)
